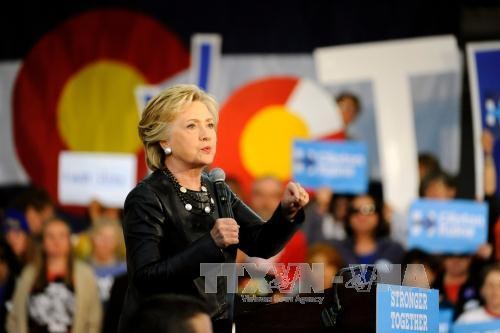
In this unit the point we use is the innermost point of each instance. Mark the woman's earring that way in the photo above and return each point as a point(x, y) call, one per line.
point(167, 150)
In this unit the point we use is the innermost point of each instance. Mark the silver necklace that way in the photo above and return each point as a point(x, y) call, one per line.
point(196, 202)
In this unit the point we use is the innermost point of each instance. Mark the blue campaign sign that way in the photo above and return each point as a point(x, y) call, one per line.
point(484, 73)
point(451, 226)
point(488, 80)
point(487, 63)
point(407, 309)
point(445, 320)
point(341, 166)
point(486, 327)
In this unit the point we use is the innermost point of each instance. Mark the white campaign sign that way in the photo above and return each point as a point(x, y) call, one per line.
point(106, 177)
point(389, 66)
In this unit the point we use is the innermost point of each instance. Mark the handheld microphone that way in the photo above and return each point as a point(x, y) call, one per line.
point(217, 176)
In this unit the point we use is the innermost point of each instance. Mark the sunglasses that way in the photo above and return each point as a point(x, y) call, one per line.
point(363, 210)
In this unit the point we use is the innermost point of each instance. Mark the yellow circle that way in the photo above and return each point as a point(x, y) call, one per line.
point(97, 110)
point(266, 141)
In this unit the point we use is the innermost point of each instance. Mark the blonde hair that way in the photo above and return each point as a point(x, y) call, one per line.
point(159, 114)
point(101, 223)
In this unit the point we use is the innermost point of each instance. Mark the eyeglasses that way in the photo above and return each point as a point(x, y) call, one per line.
point(364, 210)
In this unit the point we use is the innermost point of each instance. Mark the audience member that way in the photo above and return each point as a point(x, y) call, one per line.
point(438, 185)
point(265, 197)
point(427, 163)
point(97, 210)
point(56, 293)
point(36, 205)
point(171, 314)
point(107, 257)
point(323, 253)
point(367, 241)
point(457, 286)
point(349, 107)
point(16, 232)
point(325, 216)
point(490, 293)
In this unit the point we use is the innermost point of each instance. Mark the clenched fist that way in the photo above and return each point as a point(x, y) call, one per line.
point(225, 232)
point(294, 198)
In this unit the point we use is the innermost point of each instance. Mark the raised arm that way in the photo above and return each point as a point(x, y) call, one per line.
point(265, 239)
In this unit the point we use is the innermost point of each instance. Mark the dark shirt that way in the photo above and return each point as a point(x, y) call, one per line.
point(51, 308)
point(166, 244)
point(468, 293)
point(387, 250)
point(367, 259)
point(6, 291)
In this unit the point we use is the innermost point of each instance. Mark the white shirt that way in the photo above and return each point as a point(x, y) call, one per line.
point(332, 229)
point(477, 315)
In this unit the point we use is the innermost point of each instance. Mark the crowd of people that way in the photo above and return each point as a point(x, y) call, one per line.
point(58, 275)
point(54, 279)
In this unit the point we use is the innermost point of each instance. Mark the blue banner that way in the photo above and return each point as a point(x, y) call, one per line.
point(484, 72)
point(451, 226)
point(445, 320)
point(488, 79)
point(407, 309)
point(486, 327)
point(341, 166)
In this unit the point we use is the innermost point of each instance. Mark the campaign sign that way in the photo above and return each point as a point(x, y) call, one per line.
point(341, 166)
point(447, 226)
point(484, 73)
point(486, 327)
point(407, 309)
point(105, 177)
point(445, 320)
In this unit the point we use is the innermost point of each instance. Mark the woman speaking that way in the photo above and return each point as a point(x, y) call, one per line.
point(172, 223)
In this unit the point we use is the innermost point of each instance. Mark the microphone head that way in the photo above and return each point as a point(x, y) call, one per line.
point(217, 175)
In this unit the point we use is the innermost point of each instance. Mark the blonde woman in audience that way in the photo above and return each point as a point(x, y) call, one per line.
point(56, 293)
point(107, 257)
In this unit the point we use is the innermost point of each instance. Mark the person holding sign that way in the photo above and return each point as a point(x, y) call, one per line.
point(457, 286)
point(171, 221)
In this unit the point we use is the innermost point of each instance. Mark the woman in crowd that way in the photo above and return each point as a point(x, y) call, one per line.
point(490, 293)
point(107, 257)
point(457, 285)
point(57, 293)
point(322, 253)
point(367, 241)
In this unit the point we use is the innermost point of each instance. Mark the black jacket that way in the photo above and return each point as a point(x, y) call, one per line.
point(166, 244)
